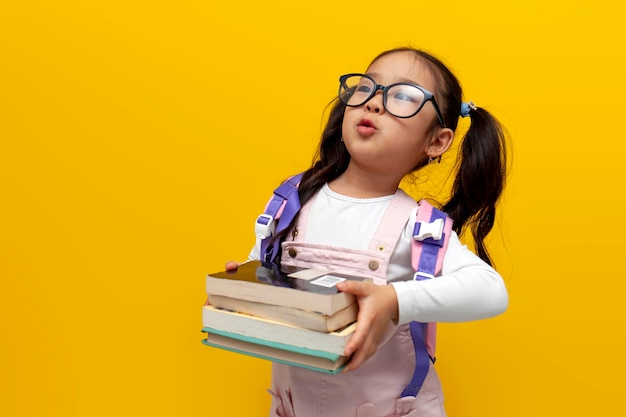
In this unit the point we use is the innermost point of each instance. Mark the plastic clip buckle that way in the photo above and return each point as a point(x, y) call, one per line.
point(264, 226)
point(424, 230)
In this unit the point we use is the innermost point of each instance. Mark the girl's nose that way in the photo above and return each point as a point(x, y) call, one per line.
point(375, 104)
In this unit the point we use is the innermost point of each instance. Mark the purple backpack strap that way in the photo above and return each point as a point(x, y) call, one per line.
point(284, 204)
point(431, 234)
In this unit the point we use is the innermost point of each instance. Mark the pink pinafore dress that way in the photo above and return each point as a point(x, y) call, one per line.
point(374, 389)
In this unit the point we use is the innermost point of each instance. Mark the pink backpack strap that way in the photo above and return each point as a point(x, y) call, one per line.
point(430, 240)
point(431, 234)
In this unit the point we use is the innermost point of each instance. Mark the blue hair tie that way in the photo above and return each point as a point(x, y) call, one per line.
point(466, 108)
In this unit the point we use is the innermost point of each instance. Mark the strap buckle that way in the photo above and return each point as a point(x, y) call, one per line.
point(264, 226)
point(425, 230)
point(420, 276)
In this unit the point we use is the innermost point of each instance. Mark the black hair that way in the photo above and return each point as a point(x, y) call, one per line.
point(481, 164)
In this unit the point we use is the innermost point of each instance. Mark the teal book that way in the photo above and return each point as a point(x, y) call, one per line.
point(276, 352)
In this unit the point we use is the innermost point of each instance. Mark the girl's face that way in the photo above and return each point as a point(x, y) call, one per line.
point(382, 143)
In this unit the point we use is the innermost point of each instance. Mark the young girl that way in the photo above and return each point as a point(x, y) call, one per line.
point(391, 121)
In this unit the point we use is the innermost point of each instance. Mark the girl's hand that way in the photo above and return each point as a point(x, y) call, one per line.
point(378, 307)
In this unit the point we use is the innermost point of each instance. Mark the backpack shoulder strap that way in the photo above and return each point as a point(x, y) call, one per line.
point(284, 204)
point(431, 234)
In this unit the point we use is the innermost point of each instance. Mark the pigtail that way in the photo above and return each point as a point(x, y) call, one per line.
point(480, 179)
point(331, 158)
point(329, 162)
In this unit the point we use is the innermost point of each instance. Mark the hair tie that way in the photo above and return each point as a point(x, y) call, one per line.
point(467, 107)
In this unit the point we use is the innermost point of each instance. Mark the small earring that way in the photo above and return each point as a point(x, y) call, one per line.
point(342, 138)
point(430, 159)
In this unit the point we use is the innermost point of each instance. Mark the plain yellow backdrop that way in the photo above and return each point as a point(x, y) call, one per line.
point(140, 139)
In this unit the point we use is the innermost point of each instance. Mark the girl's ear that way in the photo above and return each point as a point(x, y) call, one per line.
point(440, 142)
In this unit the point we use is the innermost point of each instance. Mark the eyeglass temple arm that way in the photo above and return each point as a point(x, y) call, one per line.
point(438, 111)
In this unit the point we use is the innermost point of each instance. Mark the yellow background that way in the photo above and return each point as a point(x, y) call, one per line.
point(139, 140)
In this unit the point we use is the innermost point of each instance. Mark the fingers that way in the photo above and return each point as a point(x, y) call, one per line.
point(231, 265)
point(355, 341)
point(363, 344)
point(378, 308)
point(357, 288)
point(364, 341)
point(359, 358)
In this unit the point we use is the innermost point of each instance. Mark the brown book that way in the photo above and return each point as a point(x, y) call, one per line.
point(294, 316)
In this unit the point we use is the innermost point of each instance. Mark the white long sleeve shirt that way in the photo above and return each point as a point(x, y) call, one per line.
point(468, 288)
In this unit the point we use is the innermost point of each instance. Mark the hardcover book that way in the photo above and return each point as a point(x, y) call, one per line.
point(275, 352)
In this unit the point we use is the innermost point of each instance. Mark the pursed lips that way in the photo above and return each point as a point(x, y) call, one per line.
point(366, 127)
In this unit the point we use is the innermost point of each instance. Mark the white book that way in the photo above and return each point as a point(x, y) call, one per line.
point(272, 331)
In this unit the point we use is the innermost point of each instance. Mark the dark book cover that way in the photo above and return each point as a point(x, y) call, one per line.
point(305, 289)
point(319, 282)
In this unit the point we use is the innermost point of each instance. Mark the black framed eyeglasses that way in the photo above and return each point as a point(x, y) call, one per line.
point(402, 100)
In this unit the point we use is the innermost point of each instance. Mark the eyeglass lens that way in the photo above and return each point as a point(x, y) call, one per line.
point(402, 100)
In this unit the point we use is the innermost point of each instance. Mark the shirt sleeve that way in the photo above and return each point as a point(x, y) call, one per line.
point(468, 289)
point(255, 253)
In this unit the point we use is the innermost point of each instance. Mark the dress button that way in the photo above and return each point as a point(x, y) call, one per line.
point(373, 265)
point(293, 252)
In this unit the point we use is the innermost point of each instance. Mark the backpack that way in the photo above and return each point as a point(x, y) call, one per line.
point(431, 234)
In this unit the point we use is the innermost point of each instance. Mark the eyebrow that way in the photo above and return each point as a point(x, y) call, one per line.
point(401, 79)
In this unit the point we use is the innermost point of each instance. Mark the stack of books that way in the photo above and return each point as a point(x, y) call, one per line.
point(296, 317)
